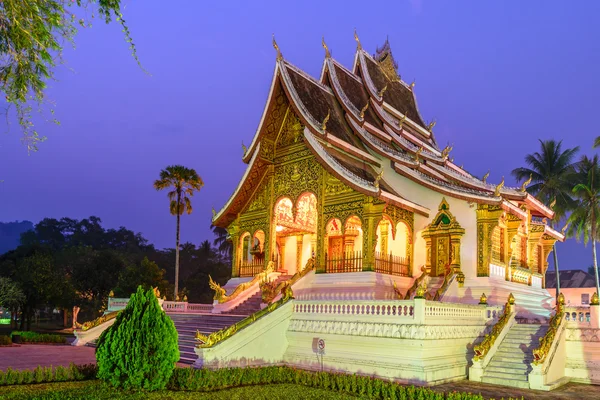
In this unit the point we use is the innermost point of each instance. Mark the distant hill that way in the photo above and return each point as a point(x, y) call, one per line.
point(10, 234)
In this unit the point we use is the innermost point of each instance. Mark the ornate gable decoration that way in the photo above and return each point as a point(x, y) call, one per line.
point(383, 55)
point(443, 221)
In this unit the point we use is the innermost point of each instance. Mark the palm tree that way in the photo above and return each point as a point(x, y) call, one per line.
point(585, 219)
point(551, 170)
point(597, 142)
point(183, 182)
point(222, 240)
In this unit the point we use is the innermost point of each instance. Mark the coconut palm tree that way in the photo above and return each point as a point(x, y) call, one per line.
point(551, 170)
point(183, 182)
point(585, 218)
point(597, 142)
point(222, 241)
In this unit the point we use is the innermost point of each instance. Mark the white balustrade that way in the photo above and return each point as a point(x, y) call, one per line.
point(536, 281)
point(185, 307)
point(116, 304)
point(497, 271)
point(401, 309)
point(578, 315)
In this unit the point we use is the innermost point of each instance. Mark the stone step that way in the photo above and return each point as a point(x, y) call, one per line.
point(512, 364)
point(502, 381)
point(505, 375)
point(524, 357)
point(506, 369)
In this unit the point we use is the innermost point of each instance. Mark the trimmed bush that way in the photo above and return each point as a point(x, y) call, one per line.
point(34, 337)
point(5, 340)
point(139, 350)
point(48, 374)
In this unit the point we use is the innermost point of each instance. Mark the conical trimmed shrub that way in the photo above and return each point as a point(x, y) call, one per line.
point(139, 350)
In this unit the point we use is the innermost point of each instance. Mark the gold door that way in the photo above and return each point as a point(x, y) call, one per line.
point(441, 256)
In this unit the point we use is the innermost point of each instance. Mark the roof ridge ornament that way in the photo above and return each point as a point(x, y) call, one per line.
point(378, 178)
point(276, 47)
point(564, 229)
point(418, 154)
point(552, 204)
point(358, 45)
point(382, 91)
point(431, 125)
point(485, 176)
point(363, 110)
point(327, 52)
point(412, 84)
point(326, 120)
point(402, 119)
point(244, 148)
point(498, 188)
point(446, 151)
point(526, 183)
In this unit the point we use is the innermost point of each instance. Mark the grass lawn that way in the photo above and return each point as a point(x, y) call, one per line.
point(92, 390)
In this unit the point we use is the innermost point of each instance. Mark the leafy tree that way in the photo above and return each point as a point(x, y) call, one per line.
point(11, 295)
point(146, 274)
point(551, 170)
point(32, 34)
point(585, 218)
point(183, 182)
point(139, 350)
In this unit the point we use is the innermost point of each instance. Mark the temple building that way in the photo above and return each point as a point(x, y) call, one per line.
point(385, 248)
point(345, 169)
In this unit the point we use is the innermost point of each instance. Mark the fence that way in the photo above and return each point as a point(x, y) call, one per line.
point(392, 265)
point(349, 261)
point(251, 268)
point(117, 304)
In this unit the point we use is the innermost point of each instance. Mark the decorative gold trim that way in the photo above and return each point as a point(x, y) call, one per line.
point(276, 47)
point(484, 347)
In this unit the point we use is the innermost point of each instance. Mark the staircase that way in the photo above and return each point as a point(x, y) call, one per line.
point(188, 324)
point(252, 303)
point(511, 364)
point(434, 284)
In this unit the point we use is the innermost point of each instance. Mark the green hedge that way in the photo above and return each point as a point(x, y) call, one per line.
point(202, 380)
point(34, 337)
point(48, 374)
point(5, 340)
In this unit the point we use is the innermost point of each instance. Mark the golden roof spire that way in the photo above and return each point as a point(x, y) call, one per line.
point(446, 151)
point(486, 176)
point(279, 55)
point(358, 45)
point(526, 183)
point(324, 123)
point(412, 85)
point(363, 110)
point(431, 125)
point(378, 178)
point(244, 148)
point(498, 188)
point(327, 53)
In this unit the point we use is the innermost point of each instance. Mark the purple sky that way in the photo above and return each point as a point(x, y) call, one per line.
point(496, 75)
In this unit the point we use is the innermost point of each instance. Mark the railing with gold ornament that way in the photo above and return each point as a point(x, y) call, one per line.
point(221, 295)
point(497, 333)
point(214, 338)
point(270, 292)
point(416, 286)
point(549, 341)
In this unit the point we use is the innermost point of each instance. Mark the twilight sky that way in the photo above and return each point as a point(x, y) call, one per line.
point(496, 75)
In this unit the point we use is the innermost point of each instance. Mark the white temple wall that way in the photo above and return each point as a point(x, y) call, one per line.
point(463, 211)
point(306, 249)
point(290, 254)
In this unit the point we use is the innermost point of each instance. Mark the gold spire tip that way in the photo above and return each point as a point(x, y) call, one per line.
point(327, 53)
point(358, 45)
point(276, 47)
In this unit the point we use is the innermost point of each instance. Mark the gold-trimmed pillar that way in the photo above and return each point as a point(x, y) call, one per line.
point(299, 240)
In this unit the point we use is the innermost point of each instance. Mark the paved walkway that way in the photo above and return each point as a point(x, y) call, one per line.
point(569, 391)
point(29, 356)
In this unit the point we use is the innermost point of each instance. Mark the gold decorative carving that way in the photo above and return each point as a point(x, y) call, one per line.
point(363, 110)
point(482, 348)
point(378, 178)
point(526, 183)
point(382, 91)
point(431, 125)
point(539, 354)
point(327, 53)
point(358, 45)
point(487, 174)
point(276, 47)
point(294, 178)
point(499, 188)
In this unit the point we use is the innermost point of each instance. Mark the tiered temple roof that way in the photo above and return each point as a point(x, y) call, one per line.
point(357, 120)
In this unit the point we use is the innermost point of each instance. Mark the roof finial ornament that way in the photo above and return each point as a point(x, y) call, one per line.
point(552, 204)
point(526, 183)
point(279, 55)
point(378, 178)
point(417, 155)
point(363, 110)
point(382, 91)
point(485, 176)
point(358, 45)
point(431, 125)
point(403, 118)
point(499, 188)
point(214, 213)
point(564, 229)
point(327, 53)
point(244, 148)
point(446, 151)
point(412, 85)
point(324, 123)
